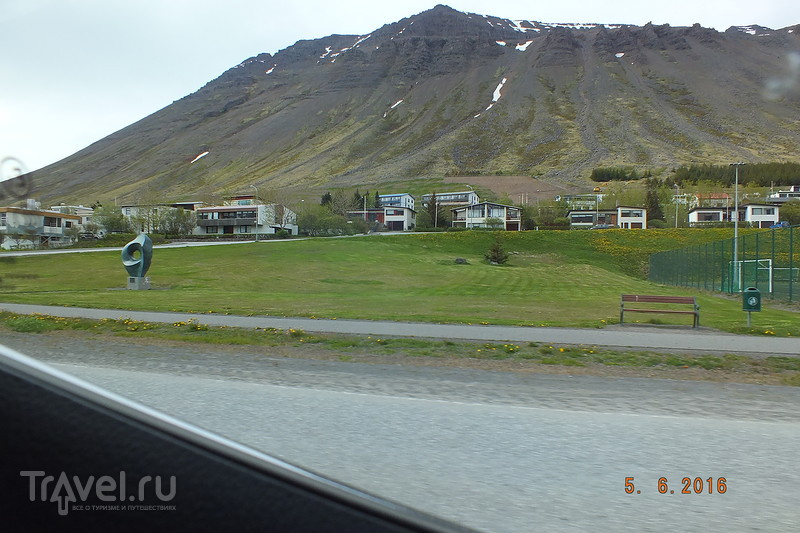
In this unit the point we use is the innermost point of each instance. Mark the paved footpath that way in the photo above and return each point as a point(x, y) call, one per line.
point(634, 337)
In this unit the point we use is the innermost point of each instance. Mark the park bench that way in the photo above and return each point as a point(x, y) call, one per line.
point(647, 299)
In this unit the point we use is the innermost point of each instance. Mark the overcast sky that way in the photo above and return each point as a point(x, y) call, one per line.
point(74, 71)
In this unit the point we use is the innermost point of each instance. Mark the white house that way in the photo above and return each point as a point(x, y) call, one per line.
point(144, 217)
point(701, 216)
point(396, 200)
point(85, 213)
point(631, 217)
point(758, 215)
point(793, 193)
point(29, 228)
point(585, 218)
point(622, 216)
point(479, 215)
point(392, 218)
point(245, 219)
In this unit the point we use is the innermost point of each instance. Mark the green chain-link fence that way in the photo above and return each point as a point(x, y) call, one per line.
point(767, 260)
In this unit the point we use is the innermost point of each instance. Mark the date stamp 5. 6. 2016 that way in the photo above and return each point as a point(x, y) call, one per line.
point(687, 485)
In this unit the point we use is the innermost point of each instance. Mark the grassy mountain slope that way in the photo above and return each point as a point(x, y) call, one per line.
point(410, 100)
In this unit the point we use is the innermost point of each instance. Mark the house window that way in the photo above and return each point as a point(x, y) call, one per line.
point(212, 229)
point(583, 219)
point(476, 212)
point(244, 229)
point(2, 219)
point(631, 214)
point(709, 217)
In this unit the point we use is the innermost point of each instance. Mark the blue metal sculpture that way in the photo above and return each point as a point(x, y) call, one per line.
point(137, 266)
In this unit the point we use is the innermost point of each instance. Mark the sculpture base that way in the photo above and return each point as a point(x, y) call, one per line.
point(139, 284)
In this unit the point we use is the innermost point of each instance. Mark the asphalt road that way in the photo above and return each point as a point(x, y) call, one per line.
point(684, 339)
point(501, 452)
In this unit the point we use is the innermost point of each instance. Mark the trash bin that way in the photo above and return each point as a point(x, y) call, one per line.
point(751, 299)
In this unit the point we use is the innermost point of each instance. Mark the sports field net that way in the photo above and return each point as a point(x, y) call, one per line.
point(767, 260)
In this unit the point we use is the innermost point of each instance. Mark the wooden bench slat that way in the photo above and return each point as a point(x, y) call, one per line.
point(660, 311)
point(658, 299)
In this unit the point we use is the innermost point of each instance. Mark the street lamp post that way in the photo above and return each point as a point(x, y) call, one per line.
point(256, 189)
point(736, 222)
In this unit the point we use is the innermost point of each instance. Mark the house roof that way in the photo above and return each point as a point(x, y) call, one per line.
point(229, 208)
point(720, 209)
point(483, 203)
point(23, 211)
point(590, 211)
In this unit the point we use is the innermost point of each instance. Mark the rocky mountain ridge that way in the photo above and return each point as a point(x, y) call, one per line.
point(445, 93)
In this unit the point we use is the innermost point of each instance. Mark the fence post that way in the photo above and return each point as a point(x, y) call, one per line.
point(756, 258)
point(791, 261)
point(772, 262)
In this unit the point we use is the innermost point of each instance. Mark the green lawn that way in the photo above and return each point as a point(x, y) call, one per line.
point(568, 278)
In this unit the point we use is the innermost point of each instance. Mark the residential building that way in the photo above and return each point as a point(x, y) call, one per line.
point(189, 205)
point(32, 227)
point(396, 200)
point(82, 211)
point(245, 219)
point(793, 193)
point(143, 217)
point(581, 201)
point(631, 217)
point(453, 198)
point(622, 216)
point(713, 199)
point(392, 218)
point(705, 216)
point(484, 214)
point(758, 215)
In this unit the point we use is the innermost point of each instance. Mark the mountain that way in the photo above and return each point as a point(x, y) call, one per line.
point(445, 93)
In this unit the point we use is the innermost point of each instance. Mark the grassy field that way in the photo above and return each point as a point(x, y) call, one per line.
point(567, 278)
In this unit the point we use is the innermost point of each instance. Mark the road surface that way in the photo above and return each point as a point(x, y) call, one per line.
point(501, 452)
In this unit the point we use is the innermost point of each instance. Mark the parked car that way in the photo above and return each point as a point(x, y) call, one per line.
point(782, 224)
point(602, 226)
